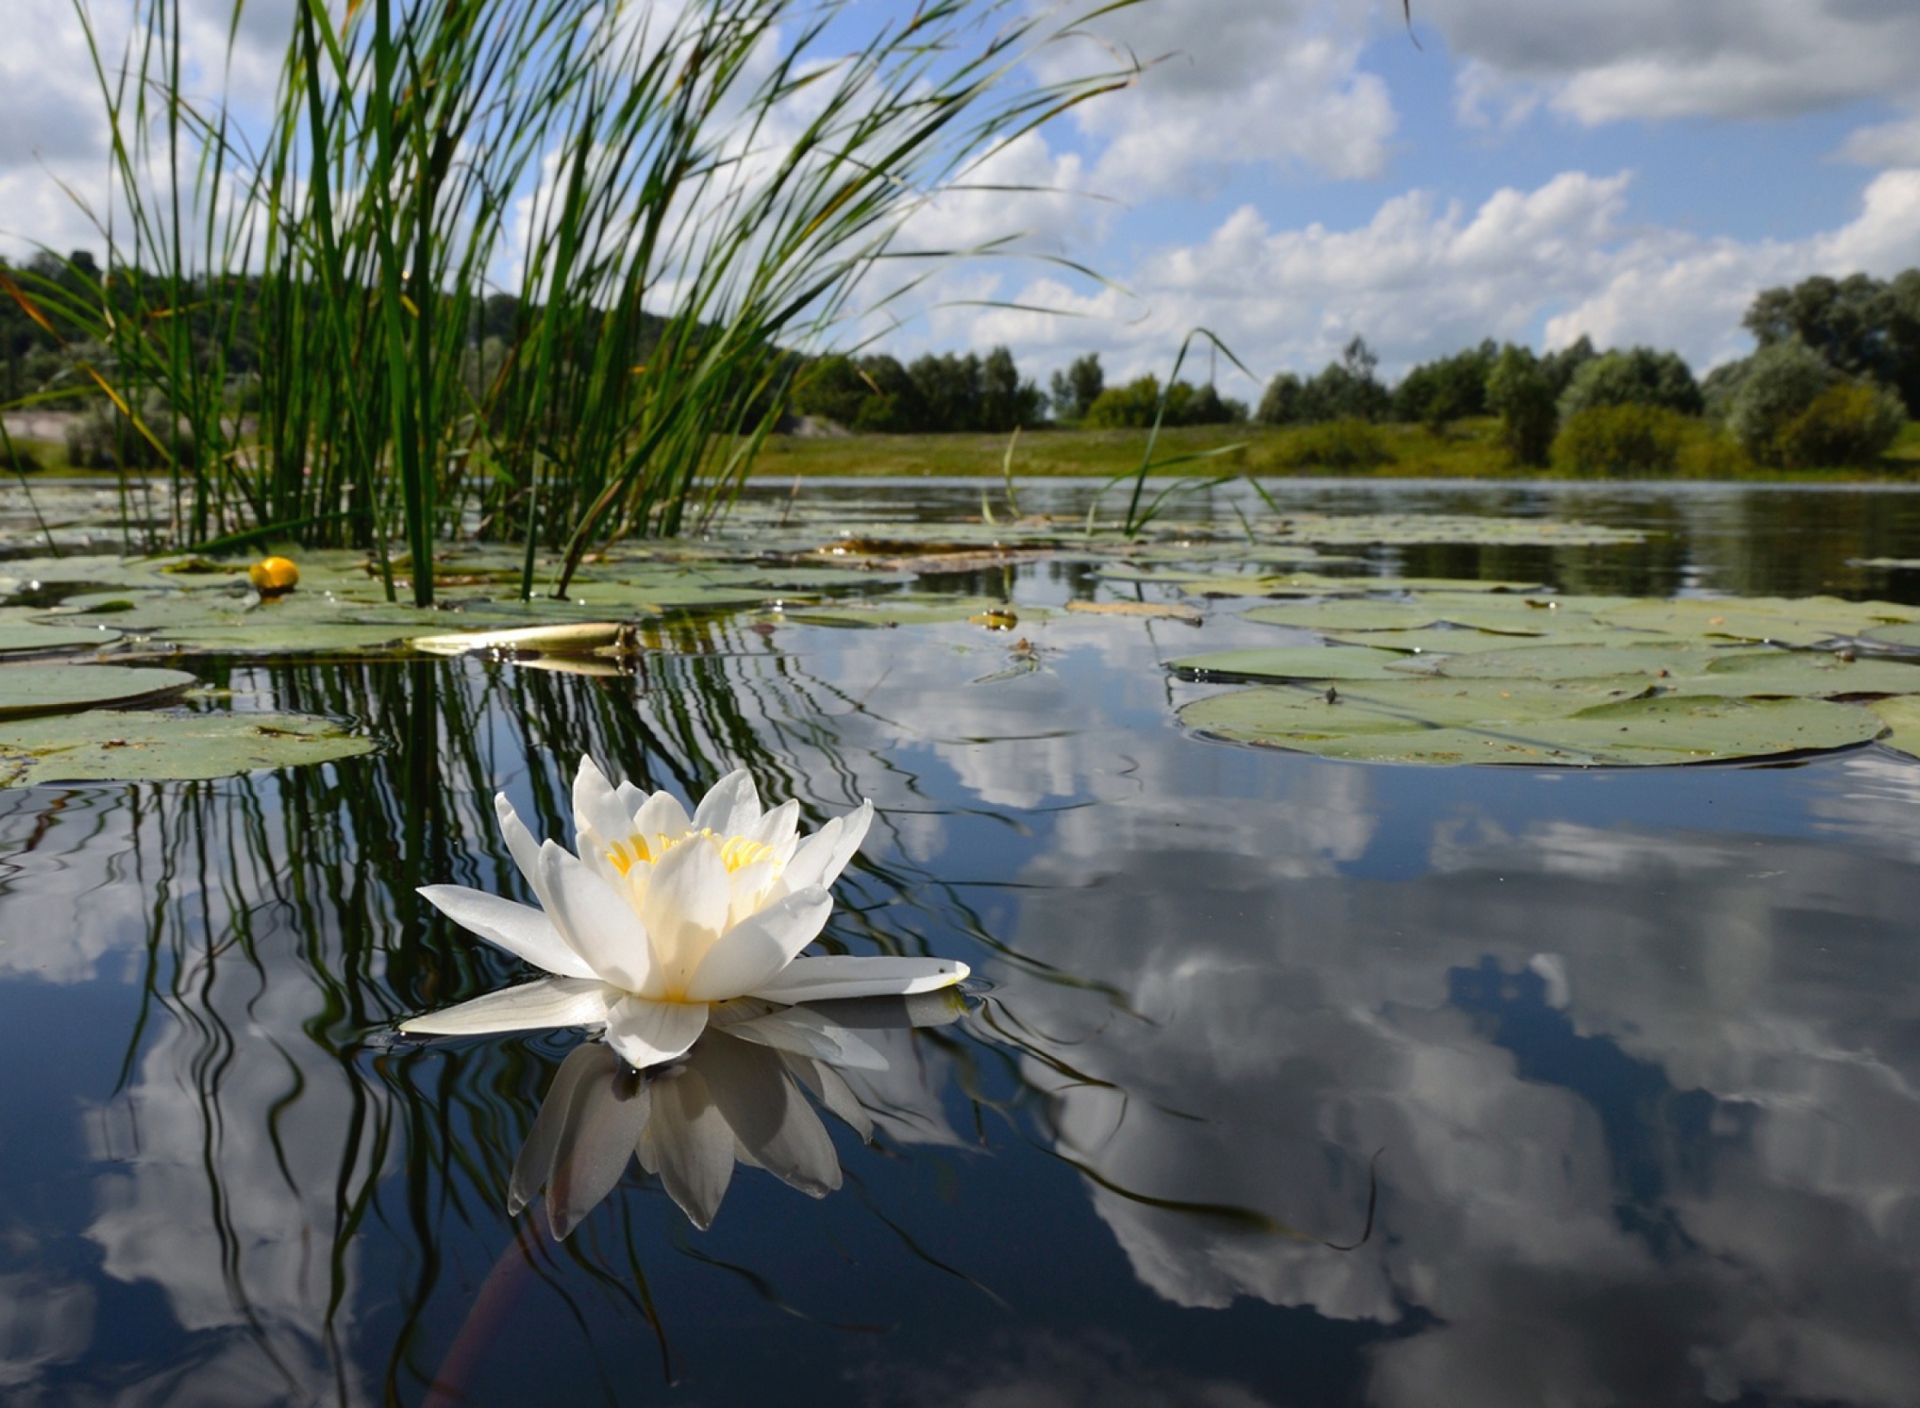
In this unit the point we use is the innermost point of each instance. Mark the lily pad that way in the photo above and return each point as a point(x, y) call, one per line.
point(56, 689)
point(1392, 724)
point(1901, 714)
point(1574, 661)
point(1784, 621)
point(904, 610)
point(1305, 662)
point(1904, 637)
point(1412, 528)
point(129, 747)
point(1801, 674)
point(20, 639)
point(289, 638)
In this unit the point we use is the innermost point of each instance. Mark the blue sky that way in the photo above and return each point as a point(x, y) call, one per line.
point(1292, 172)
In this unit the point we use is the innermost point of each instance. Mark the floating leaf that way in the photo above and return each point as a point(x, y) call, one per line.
point(1784, 621)
point(1573, 661)
point(903, 610)
point(53, 689)
point(283, 638)
point(138, 746)
point(1305, 662)
point(1419, 528)
point(1904, 637)
point(1523, 725)
point(18, 639)
point(1801, 674)
point(1901, 714)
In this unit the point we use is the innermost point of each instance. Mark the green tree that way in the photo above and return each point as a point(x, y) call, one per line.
point(1521, 391)
point(1078, 387)
point(1280, 403)
point(1447, 389)
point(1638, 376)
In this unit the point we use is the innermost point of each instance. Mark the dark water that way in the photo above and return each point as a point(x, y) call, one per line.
point(1625, 1066)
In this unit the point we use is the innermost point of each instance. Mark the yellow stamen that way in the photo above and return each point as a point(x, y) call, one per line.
point(736, 852)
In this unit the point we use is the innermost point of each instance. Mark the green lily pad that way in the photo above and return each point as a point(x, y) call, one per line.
point(55, 689)
point(1354, 530)
point(1901, 714)
point(1525, 726)
point(1349, 614)
point(1784, 621)
point(1905, 637)
point(130, 747)
point(1464, 640)
point(19, 639)
point(904, 610)
point(1305, 662)
point(1575, 661)
point(1800, 674)
point(288, 638)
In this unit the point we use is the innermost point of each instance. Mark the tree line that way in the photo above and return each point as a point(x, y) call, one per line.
point(1835, 374)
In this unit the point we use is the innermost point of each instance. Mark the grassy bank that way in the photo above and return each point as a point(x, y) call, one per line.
point(1467, 450)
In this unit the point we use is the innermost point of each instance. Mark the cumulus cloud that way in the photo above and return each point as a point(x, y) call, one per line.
point(1234, 81)
point(1425, 277)
point(1600, 61)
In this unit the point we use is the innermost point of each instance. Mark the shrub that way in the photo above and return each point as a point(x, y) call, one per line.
point(1851, 423)
point(1629, 439)
point(1337, 444)
point(1779, 382)
point(1133, 406)
point(1638, 376)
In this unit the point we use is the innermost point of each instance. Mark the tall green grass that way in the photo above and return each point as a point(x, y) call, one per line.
point(683, 199)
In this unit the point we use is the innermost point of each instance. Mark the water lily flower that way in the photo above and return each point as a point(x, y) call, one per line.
point(661, 915)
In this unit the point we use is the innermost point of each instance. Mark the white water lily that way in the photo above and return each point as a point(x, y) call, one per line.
point(660, 915)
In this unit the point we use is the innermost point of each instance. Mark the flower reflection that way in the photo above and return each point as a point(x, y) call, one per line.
point(736, 1097)
point(661, 915)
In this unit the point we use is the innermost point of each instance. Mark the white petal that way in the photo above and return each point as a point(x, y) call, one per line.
point(731, 807)
point(662, 815)
point(521, 931)
point(684, 910)
point(807, 1033)
point(690, 1144)
point(597, 810)
point(759, 946)
point(817, 979)
point(596, 921)
point(520, 843)
point(544, 1002)
point(820, 858)
point(648, 1033)
point(776, 828)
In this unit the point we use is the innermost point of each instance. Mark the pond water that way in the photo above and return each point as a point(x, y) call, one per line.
point(1287, 1080)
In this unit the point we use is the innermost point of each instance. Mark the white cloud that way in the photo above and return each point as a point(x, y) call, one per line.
point(1234, 81)
point(1424, 278)
point(1884, 144)
point(1600, 61)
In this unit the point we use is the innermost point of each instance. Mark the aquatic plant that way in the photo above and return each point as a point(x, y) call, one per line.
point(662, 916)
point(658, 207)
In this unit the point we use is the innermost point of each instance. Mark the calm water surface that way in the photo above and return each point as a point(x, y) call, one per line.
point(1614, 1077)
